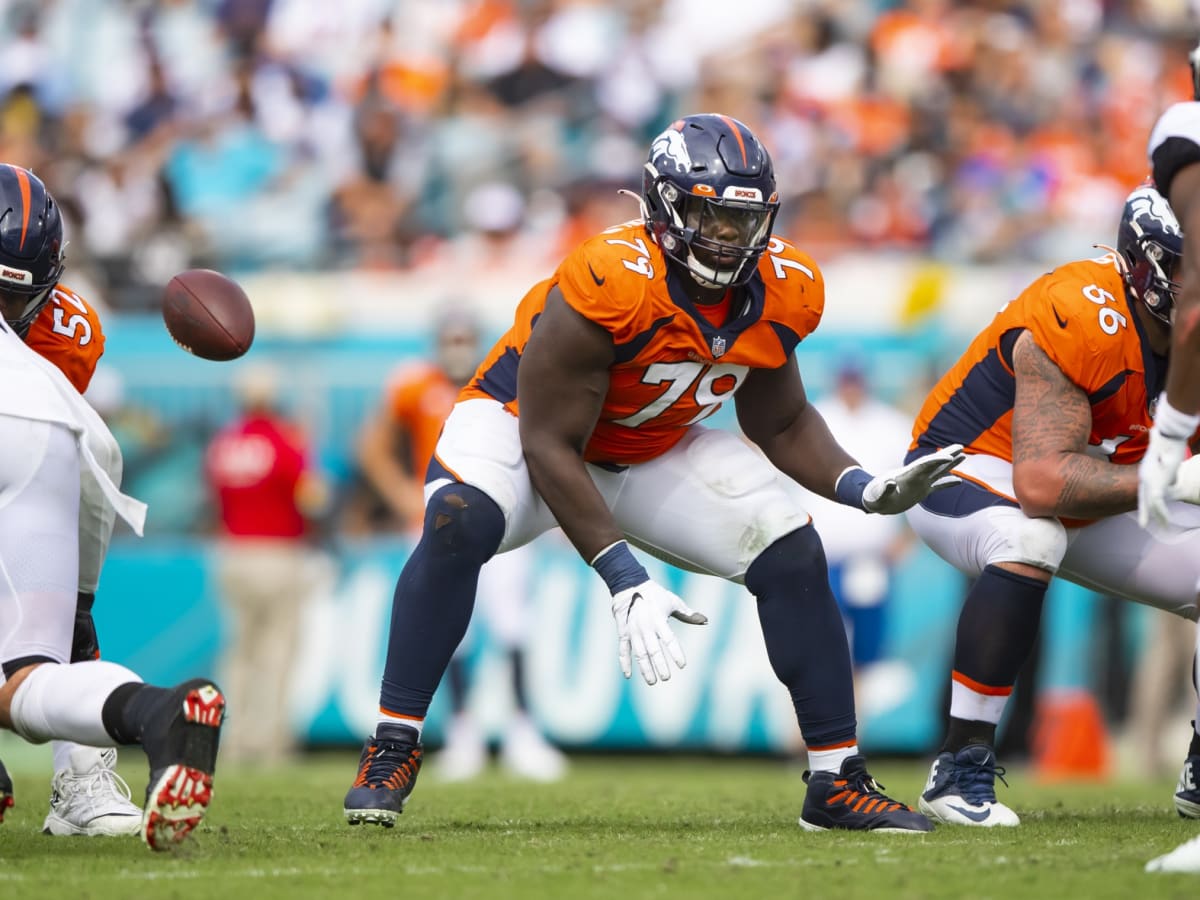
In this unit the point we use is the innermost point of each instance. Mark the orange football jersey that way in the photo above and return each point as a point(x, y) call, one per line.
point(67, 332)
point(1080, 317)
point(419, 398)
point(673, 367)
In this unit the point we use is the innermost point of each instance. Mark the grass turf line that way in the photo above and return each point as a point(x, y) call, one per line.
point(617, 827)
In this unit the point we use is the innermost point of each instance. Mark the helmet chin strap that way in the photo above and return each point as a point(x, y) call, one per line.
point(708, 276)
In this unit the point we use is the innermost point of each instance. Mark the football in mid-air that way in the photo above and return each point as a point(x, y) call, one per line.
point(208, 314)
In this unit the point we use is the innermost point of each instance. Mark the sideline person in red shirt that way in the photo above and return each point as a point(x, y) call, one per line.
point(268, 495)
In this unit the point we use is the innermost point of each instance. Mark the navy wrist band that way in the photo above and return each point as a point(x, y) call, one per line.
point(619, 569)
point(850, 486)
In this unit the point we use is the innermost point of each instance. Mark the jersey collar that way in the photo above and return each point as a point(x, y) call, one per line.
point(749, 298)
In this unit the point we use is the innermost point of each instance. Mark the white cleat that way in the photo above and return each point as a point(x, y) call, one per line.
point(961, 790)
point(526, 754)
point(89, 797)
point(1184, 858)
point(464, 755)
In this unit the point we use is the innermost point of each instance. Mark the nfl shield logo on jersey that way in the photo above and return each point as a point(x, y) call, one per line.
point(718, 347)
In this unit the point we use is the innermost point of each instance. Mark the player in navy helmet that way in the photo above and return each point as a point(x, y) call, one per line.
point(31, 246)
point(710, 199)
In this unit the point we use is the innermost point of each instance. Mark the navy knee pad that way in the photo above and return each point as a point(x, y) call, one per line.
point(797, 556)
point(463, 520)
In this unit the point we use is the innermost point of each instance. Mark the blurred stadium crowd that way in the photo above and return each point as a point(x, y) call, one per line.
point(401, 134)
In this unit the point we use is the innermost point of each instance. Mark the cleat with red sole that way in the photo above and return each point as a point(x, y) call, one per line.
point(175, 805)
point(181, 744)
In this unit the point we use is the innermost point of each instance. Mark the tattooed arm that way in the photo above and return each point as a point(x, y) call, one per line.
point(1052, 473)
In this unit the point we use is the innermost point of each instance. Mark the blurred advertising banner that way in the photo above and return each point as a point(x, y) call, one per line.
point(158, 611)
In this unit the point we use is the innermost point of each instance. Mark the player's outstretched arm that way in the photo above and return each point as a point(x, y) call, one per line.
point(775, 413)
point(561, 384)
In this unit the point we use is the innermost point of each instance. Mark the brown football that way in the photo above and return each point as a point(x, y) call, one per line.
point(208, 314)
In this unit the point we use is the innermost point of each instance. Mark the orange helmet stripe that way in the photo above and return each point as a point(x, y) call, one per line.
point(23, 185)
point(737, 132)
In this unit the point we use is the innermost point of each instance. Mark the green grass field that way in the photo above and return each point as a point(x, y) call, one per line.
point(617, 827)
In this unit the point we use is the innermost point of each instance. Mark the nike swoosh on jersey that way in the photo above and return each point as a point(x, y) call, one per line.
point(596, 278)
point(1062, 323)
point(973, 816)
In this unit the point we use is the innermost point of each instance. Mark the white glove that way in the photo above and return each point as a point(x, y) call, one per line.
point(1157, 478)
point(1159, 467)
point(1186, 486)
point(894, 492)
point(643, 632)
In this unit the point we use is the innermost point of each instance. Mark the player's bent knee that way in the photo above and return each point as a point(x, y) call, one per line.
point(464, 520)
point(15, 674)
point(798, 555)
point(1037, 542)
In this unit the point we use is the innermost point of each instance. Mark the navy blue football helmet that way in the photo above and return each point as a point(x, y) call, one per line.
point(708, 191)
point(31, 246)
point(1151, 241)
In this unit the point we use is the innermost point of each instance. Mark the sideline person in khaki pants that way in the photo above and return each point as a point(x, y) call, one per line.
point(268, 496)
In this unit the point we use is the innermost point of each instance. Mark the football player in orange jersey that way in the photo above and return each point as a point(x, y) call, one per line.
point(394, 451)
point(587, 414)
point(1053, 402)
point(88, 797)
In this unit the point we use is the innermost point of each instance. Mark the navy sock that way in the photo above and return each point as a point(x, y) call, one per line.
point(436, 594)
point(805, 637)
point(997, 626)
point(997, 629)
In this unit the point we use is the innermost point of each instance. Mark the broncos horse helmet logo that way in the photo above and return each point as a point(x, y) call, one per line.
point(671, 145)
point(1149, 202)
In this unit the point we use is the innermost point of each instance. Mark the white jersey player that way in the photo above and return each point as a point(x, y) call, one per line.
point(51, 480)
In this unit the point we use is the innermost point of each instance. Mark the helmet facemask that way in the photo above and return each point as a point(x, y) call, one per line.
point(20, 306)
point(719, 240)
point(1152, 278)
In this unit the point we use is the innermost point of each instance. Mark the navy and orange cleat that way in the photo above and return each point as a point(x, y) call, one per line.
point(387, 774)
point(1187, 792)
point(853, 800)
point(181, 743)
point(6, 792)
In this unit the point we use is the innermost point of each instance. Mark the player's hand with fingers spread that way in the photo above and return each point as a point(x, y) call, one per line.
point(895, 491)
point(644, 634)
point(641, 609)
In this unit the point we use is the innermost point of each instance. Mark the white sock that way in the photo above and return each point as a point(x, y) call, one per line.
point(385, 719)
point(974, 705)
point(67, 702)
point(62, 754)
point(830, 760)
